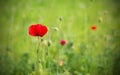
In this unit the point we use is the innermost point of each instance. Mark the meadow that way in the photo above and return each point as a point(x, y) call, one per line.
point(87, 51)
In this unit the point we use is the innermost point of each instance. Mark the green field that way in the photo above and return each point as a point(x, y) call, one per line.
point(87, 51)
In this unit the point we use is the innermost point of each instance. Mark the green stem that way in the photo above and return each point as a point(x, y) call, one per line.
point(59, 52)
point(43, 59)
point(48, 60)
point(37, 57)
point(48, 55)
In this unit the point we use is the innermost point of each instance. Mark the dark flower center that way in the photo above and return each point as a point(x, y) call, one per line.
point(36, 34)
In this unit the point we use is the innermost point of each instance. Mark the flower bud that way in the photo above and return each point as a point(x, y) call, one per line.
point(49, 42)
point(60, 19)
point(60, 63)
point(55, 28)
point(44, 42)
point(63, 42)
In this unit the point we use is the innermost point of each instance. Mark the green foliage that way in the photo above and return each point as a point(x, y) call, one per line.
point(87, 52)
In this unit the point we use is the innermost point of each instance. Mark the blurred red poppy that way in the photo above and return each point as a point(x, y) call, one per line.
point(60, 63)
point(37, 30)
point(93, 27)
point(63, 42)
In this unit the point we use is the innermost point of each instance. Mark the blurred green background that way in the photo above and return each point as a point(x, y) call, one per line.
point(93, 52)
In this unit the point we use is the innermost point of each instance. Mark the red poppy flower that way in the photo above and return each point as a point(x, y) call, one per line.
point(63, 42)
point(37, 30)
point(93, 27)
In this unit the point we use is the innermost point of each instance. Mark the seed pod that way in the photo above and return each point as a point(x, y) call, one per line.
point(70, 44)
point(60, 19)
point(33, 67)
point(49, 42)
point(55, 28)
point(44, 42)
